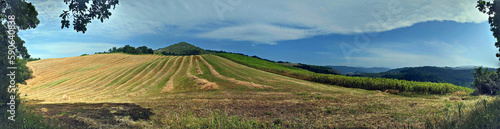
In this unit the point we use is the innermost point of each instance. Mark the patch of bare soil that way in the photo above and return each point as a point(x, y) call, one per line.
point(101, 115)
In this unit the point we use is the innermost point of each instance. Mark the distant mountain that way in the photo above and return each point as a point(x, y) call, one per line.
point(461, 76)
point(358, 70)
point(182, 48)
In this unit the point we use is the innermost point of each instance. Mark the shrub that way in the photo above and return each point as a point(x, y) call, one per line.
point(486, 82)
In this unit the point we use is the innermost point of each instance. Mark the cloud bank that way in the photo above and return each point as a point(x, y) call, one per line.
point(266, 22)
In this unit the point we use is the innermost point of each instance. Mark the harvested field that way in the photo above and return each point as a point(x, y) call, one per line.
point(197, 91)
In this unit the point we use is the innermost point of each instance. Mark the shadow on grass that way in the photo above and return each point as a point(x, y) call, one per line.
point(100, 115)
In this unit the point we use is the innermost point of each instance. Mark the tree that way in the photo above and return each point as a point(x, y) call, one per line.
point(486, 82)
point(25, 18)
point(83, 14)
point(491, 8)
point(145, 50)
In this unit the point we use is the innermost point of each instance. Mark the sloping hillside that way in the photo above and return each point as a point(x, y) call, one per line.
point(358, 70)
point(457, 76)
point(206, 91)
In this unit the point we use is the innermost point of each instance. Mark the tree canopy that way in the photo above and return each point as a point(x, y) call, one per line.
point(130, 50)
point(491, 8)
point(24, 16)
point(83, 14)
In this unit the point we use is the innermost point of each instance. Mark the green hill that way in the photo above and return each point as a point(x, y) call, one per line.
point(346, 81)
point(457, 76)
point(182, 48)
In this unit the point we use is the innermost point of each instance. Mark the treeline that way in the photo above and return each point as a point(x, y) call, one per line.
point(32, 59)
point(183, 53)
point(318, 69)
point(461, 77)
point(128, 49)
point(347, 81)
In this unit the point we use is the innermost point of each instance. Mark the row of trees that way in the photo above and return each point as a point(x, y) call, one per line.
point(128, 49)
point(187, 52)
point(132, 50)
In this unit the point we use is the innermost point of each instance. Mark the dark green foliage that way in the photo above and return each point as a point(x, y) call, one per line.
point(359, 70)
point(83, 14)
point(145, 50)
point(461, 77)
point(129, 50)
point(214, 51)
point(182, 48)
point(486, 82)
point(491, 8)
point(23, 72)
point(25, 18)
point(32, 59)
point(318, 69)
point(347, 81)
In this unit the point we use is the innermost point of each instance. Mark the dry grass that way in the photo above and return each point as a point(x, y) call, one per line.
point(203, 83)
point(170, 84)
point(194, 91)
point(216, 74)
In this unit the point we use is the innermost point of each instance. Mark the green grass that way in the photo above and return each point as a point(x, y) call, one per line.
point(347, 81)
point(154, 67)
point(483, 114)
point(220, 120)
point(130, 74)
point(26, 118)
point(89, 68)
point(127, 73)
point(55, 83)
point(172, 67)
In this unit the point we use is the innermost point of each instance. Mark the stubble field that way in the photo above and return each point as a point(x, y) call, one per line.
point(207, 91)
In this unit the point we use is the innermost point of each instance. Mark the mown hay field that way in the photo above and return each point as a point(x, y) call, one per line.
point(208, 91)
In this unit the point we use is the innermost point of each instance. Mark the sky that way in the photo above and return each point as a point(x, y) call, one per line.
point(389, 33)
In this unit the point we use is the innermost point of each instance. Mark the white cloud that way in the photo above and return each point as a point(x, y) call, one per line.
point(258, 32)
point(432, 53)
point(262, 21)
point(49, 11)
point(65, 49)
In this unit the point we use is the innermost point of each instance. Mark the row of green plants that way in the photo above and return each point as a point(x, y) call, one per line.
point(347, 81)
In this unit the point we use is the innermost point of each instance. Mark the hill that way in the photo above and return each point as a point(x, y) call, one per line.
point(313, 68)
point(182, 48)
point(346, 81)
point(358, 70)
point(206, 91)
point(459, 76)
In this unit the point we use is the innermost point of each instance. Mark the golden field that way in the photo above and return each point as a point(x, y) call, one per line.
point(207, 91)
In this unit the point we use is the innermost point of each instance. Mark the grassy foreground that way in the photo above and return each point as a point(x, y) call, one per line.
point(208, 91)
point(346, 81)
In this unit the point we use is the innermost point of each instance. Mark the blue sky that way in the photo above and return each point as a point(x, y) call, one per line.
point(392, 33)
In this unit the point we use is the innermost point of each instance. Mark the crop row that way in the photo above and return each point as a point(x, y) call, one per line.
point(347, 81)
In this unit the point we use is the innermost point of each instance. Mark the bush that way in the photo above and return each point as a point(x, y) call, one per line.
point(486, 82)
